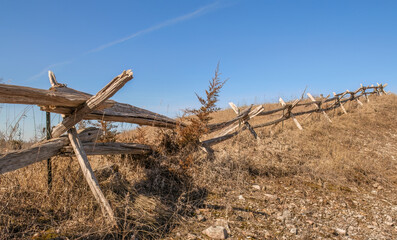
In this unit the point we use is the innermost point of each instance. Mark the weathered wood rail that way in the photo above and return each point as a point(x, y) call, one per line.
point(76, 106)
point(65, 100)
point(320, 107)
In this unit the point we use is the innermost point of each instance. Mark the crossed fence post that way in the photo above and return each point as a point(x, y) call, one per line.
point(353, 96)
point(289, 113)
point(363, 91)
point(319, 106)
point(245, 120)
point(338, 102)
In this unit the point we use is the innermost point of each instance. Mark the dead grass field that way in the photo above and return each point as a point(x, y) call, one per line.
point(331, 180)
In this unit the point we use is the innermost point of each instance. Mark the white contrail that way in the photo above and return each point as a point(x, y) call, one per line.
point(198, 12)
point(185, 17)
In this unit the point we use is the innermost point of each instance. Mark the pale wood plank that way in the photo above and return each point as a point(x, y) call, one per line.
point(95, 101)
point(90, 177)
point(340, 104)
point(291, 114)
point(318, 107)
point(40, 151)
point(63, 100)
point(237, 111)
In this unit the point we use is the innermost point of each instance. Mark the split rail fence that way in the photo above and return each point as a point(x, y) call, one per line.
point(76, 106)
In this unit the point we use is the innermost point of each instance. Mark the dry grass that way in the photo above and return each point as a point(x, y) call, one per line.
point(154, 196)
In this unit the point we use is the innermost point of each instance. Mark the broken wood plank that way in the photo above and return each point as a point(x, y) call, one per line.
point(41, 151)
point(121, 112)
point(63, 100)
point(235, 108)
point(90, 177)
point(26, 95)
point(319, 107)
point(95, 101)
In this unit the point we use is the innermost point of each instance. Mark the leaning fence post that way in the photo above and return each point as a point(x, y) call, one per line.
point(363, 91)
point(89, 175)
point(247, 124)
point(289, 113)
point(318, 106)
point(92, 103)
point(49, 167)
point(339, 102)
point(352, 97)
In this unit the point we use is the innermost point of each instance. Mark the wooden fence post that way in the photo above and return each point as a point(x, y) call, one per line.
point(363, 91)
point(318, 105)
point(352, 95)
point(339, 102)
point(89, 176)
point(289, 113)
point(91, 104)
point(49, 166)
point(237, 111)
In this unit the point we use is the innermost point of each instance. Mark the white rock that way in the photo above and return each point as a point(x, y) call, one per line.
point(270, 196)
point(388, 218)
point(240, 197)
point(292, 228)
point(191, 236)
point(285, 216)
point(216, 232)
point(223, 223)
point(200, 218)
point(350, 230)
point(257, 187)
point(340, 231)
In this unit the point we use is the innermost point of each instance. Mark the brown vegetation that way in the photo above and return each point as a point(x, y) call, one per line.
point(316, 180)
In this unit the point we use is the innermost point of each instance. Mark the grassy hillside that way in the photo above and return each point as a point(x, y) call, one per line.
point(331, 180)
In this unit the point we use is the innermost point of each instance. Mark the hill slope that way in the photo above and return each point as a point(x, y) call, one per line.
point(331, 180)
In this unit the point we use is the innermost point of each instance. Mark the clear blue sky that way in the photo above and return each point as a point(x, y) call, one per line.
point(267, 49)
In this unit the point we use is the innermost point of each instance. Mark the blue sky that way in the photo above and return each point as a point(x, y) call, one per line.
point(267, 49)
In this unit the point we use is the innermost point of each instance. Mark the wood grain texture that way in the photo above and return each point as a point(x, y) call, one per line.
point(92, 103)
point(40, 151)
point(247, 124)
point(90, 177)
point(63, 100)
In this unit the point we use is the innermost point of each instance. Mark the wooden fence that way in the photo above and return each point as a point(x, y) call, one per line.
point(76, 106)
